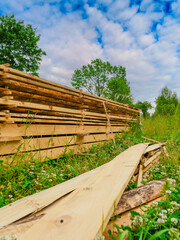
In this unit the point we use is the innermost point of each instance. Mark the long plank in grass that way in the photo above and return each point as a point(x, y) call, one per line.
point(34, 203)
point(138, 196)
point(85, 212)
point(128, 201)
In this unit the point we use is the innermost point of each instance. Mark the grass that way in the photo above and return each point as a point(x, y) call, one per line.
point(24, 178)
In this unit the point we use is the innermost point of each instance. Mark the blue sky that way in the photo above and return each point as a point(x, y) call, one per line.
point(141, 35)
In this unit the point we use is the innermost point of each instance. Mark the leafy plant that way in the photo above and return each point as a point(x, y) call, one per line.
point(18, 45)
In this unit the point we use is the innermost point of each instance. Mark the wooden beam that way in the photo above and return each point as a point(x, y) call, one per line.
point(140, 175)
point(10, 145)
point(16, 130)
point(25, 77)
point(151, 159)
point(153, 148)
point(138, 196)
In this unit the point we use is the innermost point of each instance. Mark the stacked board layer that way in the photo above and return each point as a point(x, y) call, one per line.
point(45, 119)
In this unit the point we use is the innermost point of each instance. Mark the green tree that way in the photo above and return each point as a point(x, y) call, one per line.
point(103, 79)
point(18, 45)
point(118, 90)
point(144, 106)
point(166, 102)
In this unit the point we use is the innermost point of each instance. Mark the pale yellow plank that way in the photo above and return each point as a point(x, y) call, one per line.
point(83, 213)
point(18, 130)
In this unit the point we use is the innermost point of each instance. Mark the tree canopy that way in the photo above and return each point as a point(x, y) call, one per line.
point(18, 45)
point(144, 106)
point(118, 90)
point(166, 102)
point(103, 79)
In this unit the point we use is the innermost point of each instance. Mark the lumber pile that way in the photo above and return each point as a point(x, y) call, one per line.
point(151, 156)
point(81, 207)
point(41, 117)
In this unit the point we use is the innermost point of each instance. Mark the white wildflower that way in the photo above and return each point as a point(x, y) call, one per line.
point(10, 196)
point(174, 232)
point(175, 205)
point(168, 191)
point(138, 219)
point(53, 175)
point(163, 174)
point(163, 216)
point(164, 211)
point(154, 204)
point(170, 210)
point(99, 237)
point(160, 220)
point(174, 221)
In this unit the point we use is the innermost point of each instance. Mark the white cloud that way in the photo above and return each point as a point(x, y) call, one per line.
point(127, 39)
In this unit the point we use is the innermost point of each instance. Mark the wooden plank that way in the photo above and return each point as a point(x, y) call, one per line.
point(65, 122)
point(152, 140)
point(151, 159)
point(51, 108)
point(138, 196)
point(125, 220)
point(140, 175)
point(165, 151)
point(147, 193)
point(63, 221)
point(154, 161)
point(47, 154)
point(8, 146)
point(45, 83)
point(36, 202)
point(4, 140)
point(153, 148)
point(24, 88)
point(16, 130)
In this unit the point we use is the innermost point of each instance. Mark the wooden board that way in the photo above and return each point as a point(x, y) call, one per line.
point(16, 130)
point(36, 202)
point(125, 220)
point(25, 77)
point(63, 221)
point(153, 148)
point(147, 193)
point(151, 159)
point(50, 108)
point(140, 175)
point(9, 145)
point(47, 154)
point(138, 196)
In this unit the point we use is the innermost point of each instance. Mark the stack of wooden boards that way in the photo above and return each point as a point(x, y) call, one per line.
point(79, 208)
point(43, 117)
